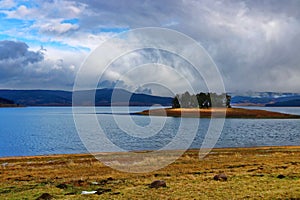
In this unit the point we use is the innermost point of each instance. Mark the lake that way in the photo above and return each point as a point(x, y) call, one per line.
point(51, 130)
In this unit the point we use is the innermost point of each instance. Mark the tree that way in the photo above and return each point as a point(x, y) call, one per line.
point(201, 100)
point(185, 100)
point(228, 99)
point(175, 102)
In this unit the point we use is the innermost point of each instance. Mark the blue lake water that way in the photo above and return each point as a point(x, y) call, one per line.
point(52, 130)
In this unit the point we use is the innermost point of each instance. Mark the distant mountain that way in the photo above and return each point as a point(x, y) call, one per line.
point(119, 97)
point(266, 99)
point(289, 103)
point(103, 97)
point(38, 97)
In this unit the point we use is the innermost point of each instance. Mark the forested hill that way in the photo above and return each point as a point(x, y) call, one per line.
point(103, 97)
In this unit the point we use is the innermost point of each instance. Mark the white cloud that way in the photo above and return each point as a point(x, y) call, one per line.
point(22, 12)
point(56, 27)
point(6, 4)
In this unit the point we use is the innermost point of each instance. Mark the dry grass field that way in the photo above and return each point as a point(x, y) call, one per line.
point(252, 173)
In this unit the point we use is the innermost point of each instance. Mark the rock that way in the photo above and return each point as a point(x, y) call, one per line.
point(79, 183)
point(102, 190)
point(116, 193)
point(70, 193)
point(158, 184)
point(197, 173)
point(105, 181)
point(45, 196)
point(62, 186)
point(220, 177)
point(280, 176)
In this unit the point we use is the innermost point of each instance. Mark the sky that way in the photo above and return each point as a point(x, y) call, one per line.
point(254, 43)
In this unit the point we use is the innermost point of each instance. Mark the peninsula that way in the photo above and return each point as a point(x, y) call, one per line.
point(200, 106)
point(218, 113)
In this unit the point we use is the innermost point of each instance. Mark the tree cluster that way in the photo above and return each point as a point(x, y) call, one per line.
point(201, 100)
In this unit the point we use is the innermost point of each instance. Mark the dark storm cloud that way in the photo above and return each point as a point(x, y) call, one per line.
point(21, 67)
point(131, 13)
point(18, 51)
point(254, 43)
point(14, 57)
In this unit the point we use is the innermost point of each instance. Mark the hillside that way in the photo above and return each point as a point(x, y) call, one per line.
point(103, 97)
point(289, 103)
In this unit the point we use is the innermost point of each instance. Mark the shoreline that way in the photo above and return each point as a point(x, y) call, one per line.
point(240, 113)
point(143, 151)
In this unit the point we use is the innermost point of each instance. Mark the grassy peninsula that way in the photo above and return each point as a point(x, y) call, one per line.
point(252, 173)
point(218, 112)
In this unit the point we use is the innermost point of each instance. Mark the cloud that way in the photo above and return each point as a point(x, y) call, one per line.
point(24, 68)
point(6, 4)
point(20, 13)
point(18, 51)
point(14, 57)
point(56, 27)
point(254, 43)
point(43, 10)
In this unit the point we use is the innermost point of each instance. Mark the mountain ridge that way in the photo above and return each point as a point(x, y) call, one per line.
point(268, 99)
point(103, 97)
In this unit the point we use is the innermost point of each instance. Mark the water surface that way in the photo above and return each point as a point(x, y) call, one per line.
point(51, 130)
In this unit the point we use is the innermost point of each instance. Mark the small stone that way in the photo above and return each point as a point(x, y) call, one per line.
point(197, 173)
point(45, 196)
point(105, 181)
point(116, 193)
point(158, 184)
point(79, 183)
point(70, 193)
point(62, 186)
point(102, 190)
point(220, 177)
point(280, 176)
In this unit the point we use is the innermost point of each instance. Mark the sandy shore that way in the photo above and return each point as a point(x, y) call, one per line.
point(218, 112)
point(252, 173)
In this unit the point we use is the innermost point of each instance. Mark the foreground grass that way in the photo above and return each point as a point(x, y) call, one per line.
point(253, 173)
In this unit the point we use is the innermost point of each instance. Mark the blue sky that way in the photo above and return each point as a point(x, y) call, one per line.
point(254, 44)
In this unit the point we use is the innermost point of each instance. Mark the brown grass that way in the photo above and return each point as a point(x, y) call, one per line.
point(252, 174)
point(218, 112)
